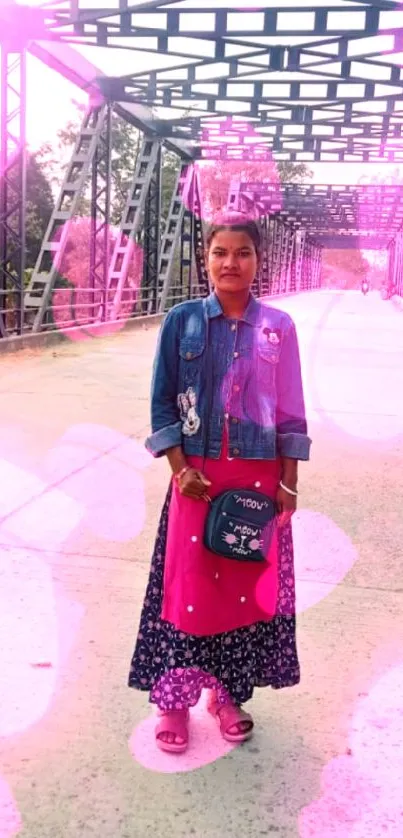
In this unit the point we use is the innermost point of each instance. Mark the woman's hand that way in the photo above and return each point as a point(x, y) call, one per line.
point(286, 506)
point(194, 484)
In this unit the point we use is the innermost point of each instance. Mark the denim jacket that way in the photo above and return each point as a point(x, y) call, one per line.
point(256, 383)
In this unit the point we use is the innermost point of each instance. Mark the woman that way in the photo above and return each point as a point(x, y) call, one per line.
point(207, 621)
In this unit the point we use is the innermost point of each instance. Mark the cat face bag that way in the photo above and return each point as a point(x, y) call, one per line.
point(240, 525)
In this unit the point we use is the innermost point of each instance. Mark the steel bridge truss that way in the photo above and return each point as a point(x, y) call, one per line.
point(320, 83)
point(99, 291)
point(138, 267)
point(395, 267)
point(291, 260)
point(294, 83)
point(296, 224)
point(295, 227)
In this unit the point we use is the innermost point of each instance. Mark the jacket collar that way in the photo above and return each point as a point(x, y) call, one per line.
point(251, 314)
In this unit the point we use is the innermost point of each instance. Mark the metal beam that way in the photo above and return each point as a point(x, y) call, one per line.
point(71, 65)
point(318, 78)
point(100, 219)
point(50, 258)
point(12, 187)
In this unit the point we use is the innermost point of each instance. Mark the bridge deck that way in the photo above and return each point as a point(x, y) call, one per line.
point(79, 510)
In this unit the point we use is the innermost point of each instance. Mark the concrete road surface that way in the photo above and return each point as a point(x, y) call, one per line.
point(79, 504)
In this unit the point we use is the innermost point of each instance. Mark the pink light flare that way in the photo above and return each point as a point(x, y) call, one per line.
point(361, 791)
point(19, 28)
point(342, 810)
point(255, 377)
point(353, 383)
point(247, 160)
point(38, 624)
point(323, 556)
point(206, 744)
point(102, 470)
point(72, 307)
point(383, 184)
point(376, 736)
point(33, 512)
point(10, 818)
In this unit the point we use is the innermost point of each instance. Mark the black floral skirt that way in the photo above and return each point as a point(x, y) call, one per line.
point(174, 667)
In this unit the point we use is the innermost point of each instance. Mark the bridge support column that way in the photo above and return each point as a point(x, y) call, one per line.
point(12, 187)
point(395, 266)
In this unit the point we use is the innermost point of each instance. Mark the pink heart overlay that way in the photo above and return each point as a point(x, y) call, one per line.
point(362, 791)
point(10, 818)
point(102, 470)
point(78, 310)
point(205, 744)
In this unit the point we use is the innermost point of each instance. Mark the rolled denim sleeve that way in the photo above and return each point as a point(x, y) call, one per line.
point(166, 426)
point(291, 425)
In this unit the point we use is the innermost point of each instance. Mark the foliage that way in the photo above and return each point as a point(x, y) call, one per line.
point(169, 174)
point(378, 269)
point(38, 209)
point(293, 172)
point(216, 179)
point(343, 268)
point(125, 139)
point(125, 146)
point(75, 280)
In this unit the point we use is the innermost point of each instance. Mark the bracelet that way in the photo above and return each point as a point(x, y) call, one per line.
point(181, 473)
point(289, 491)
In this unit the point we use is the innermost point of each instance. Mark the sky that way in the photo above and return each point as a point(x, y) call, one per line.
point(46, 114)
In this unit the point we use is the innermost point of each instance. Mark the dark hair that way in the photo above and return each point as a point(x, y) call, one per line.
point(236, 222)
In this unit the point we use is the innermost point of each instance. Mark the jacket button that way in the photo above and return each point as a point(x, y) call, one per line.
point(188, 356)
point(236, 451)
point(234, 420)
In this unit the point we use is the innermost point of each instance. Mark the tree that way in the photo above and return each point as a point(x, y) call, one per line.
point(216, 178)
point(38, 209)
point(378, 268)
point(125, 143)
point(170, 168)
point(75, 301)
point(293, 172)
point(125, 140)
point(343, 268)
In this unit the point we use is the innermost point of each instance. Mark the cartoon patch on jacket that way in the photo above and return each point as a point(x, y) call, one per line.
point(190, 418)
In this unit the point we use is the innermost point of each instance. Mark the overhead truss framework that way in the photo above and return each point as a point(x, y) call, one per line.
point(366, 217)
point(320, 82)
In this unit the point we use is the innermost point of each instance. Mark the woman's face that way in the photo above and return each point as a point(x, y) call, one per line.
point(232, 261)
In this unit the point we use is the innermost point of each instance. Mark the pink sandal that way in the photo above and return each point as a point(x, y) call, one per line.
point(231, 716)
point(176, 723)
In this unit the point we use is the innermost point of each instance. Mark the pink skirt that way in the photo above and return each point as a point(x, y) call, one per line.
point(205, 594)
